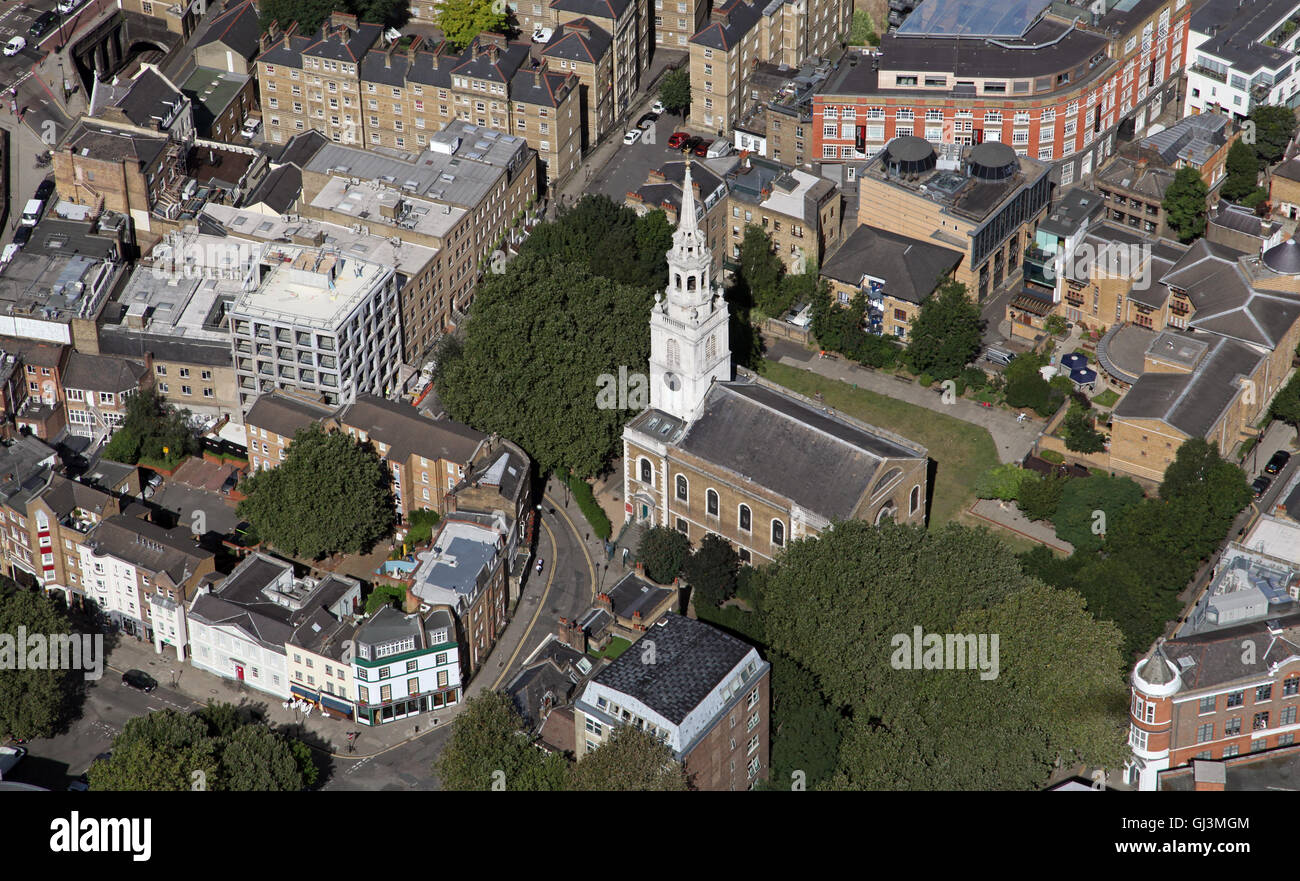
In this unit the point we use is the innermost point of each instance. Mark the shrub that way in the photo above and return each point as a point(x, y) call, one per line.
point(1002, 482)
point(663, 551)
point(586, 499)
point(1052, 456)
point(926, 380)
point(1039, 499)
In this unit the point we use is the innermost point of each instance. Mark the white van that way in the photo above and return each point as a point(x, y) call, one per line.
point(719, 148)
point(32, 212)
point(998, 356)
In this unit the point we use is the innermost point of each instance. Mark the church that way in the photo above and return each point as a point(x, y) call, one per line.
point(739, 456)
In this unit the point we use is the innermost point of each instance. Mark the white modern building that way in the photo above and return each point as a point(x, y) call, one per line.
point(239, 629)
point(1241, 53)
point(314, 319)
point(406, 664)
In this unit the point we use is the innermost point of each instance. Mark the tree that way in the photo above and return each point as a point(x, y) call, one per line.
point(1002, 482)
point(151, 431)
point(1274, 127)
point(1026, 386)
point(330, 494)
point(1039, 499)
point(599, 234)
point(309, 14)
point(256, 759)
point(1076, 517)
point(805, 730)
point(843, 604)
point(1286, 403)
point(663, 551)
point(488, 749)
point(1079, 433)
point(675, 91)
point(945, 336)
point(761, 270)
point(1243, 172)
point(164, 751)
point(654, 238)
point(1184, 203)
point(539, 338)
point(32, 697)
point(712, 570)
point(630, 760)
point(463, 20)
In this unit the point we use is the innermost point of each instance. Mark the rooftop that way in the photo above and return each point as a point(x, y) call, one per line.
point(910, 269)
point(459, 565)
point(1237, 30)
point(311, 286)
point(373, 203)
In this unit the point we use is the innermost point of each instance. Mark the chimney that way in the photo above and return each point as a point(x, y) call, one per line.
point(411, 603)
point(640, 570)
point(604, 602)
point(416, 44)
point(1209, 776)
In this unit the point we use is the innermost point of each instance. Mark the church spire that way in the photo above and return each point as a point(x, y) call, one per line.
point(686, 222)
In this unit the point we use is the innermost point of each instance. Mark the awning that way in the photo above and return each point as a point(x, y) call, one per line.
point(335, 704)
point(304, 693)
point(1030, 303)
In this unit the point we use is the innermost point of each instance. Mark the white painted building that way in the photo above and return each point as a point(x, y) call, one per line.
point(406, 664)
point(1231, 66)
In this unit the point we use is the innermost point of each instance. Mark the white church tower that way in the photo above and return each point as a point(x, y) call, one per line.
point(689, 343)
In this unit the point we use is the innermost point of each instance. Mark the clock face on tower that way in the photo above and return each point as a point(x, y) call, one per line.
point(671, 382)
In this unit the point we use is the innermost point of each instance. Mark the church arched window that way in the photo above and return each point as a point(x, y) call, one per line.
point(674, 354)
point(711, 347)
point(690, 282)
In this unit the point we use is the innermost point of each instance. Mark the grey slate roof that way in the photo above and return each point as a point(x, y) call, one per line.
point(90, 139)
point(1215, 657)
point(126, 342)
point(1240, 26)
point(1129, 174)
point(598, 8)
point(578, 40)
point(1289, 170)
point(1068, 214)
point(635, 594)
point(741, 16)
point(821, 462)
point(236, 28)
point(149, 546)
point(1193, 139)
point(150, 97)
point(101, 373)
point(279, 190)
point(408, 432)
point(301, 148)
point(1193, 402)
point(691, 659)
point(530, 688)
point(911, 268)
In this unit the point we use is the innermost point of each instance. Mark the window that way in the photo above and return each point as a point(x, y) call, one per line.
point(753, 744)
point(1205, 733)
point(1235, 699)
point(1259, 722)
point(753, 699)
point(1263, 693)
point(745, 518)
point(753, 722)
point(711, 506)
point(1291, 686)
point(682, 488)
point(1232, 727)
point(1288, 716)
point(647, 472)
point(1208, 704)
point(778, 533)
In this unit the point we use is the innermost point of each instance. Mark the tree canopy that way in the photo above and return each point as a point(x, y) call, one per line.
point(663, 551)
point(539, 338)
point(945, 336)
point(488, 749)
point(330, 494)
point(1076, 516)
point(1274, 127)
point(712, 570)
point(218, 748)
point(1184, 204)
point(608, 239)
point(152, 432)
point(463, 20)
point(32, 700)
point(675, 91)
point(1242, 172)
point(761, 271)
point(310, 14)
point(629, 760)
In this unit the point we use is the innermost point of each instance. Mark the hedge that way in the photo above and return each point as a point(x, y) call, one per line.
point(586, 500)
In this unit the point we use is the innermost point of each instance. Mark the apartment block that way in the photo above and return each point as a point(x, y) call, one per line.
point(97, 390)
point(801, 213)
point(676, 21)
point(706, 697)
point(316, 320)
point(406, 664)
point(1064, 83)
point(319, 665)
point(585, 49)
point(1239, 55)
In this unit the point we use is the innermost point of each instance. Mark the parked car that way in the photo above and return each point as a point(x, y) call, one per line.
point(139, 680)
point(658, 107)
point(719, 148)
point(647, 119)
point(81, 784)
point(22, 235)
point(9, 757)
point(43, 24)
point(702, 148)
point(45, 190)
point(689, 144)
point(1278, 462)
point(998, 356)
point(1261, 485)
point(66, 6)
point(230, 483)
point(14, 46)
point(251, 125)
point(676, 140)
point(631, 136)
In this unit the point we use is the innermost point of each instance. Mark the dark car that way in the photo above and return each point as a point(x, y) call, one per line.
point(1260, 486)
point(1278, 462)
point(677, 139)
point(43, 24)
point(690, 144)
point(22, 235)
point(139, 680)
point(647, 119)
point(230, 483)
point(702, 148)
point(45, 190)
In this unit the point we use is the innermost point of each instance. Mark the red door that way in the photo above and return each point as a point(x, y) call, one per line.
point(239, 672)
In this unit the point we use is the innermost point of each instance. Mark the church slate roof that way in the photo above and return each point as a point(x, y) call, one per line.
point(819, 461)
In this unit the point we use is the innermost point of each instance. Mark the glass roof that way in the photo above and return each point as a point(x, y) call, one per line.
point(964, 18)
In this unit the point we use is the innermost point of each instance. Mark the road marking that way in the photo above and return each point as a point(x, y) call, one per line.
point(529, 629)
point(591, 566)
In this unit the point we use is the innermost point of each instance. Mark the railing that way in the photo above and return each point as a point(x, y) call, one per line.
point(1212, 74)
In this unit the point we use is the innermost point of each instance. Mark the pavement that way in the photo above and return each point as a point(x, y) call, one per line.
point(1014, 439)
point(1008, 516)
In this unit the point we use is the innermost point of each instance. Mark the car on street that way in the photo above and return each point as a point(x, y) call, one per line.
point(631, 136)
point(22, 235)
point(689, 145)
point(1261, 485)
point(676, 140)
point(43, 24)
point(14, 46)
point(1278, 462)
point(45, 190)
point(66, 6)
point(647, 119)
point(702, 148)
point(9, 757)
point(139, 680)
point(658, 107)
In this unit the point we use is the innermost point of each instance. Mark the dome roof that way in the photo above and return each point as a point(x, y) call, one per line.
point(1284, 258)
point(993, 160)
point(909, 148)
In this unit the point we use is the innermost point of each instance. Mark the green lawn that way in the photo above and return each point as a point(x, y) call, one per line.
point(961, 450)
point(617, 645)
point(1106, 398)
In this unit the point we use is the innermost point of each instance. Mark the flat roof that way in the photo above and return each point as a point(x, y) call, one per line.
point(372, 202)
point(310, 285)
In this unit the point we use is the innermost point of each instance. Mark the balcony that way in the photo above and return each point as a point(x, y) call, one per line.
point(1212, 74)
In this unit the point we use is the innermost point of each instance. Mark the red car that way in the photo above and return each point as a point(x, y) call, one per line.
point(702, 148)
point(676, 141)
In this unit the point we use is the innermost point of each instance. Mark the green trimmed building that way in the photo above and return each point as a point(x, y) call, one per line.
point(406, 664)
